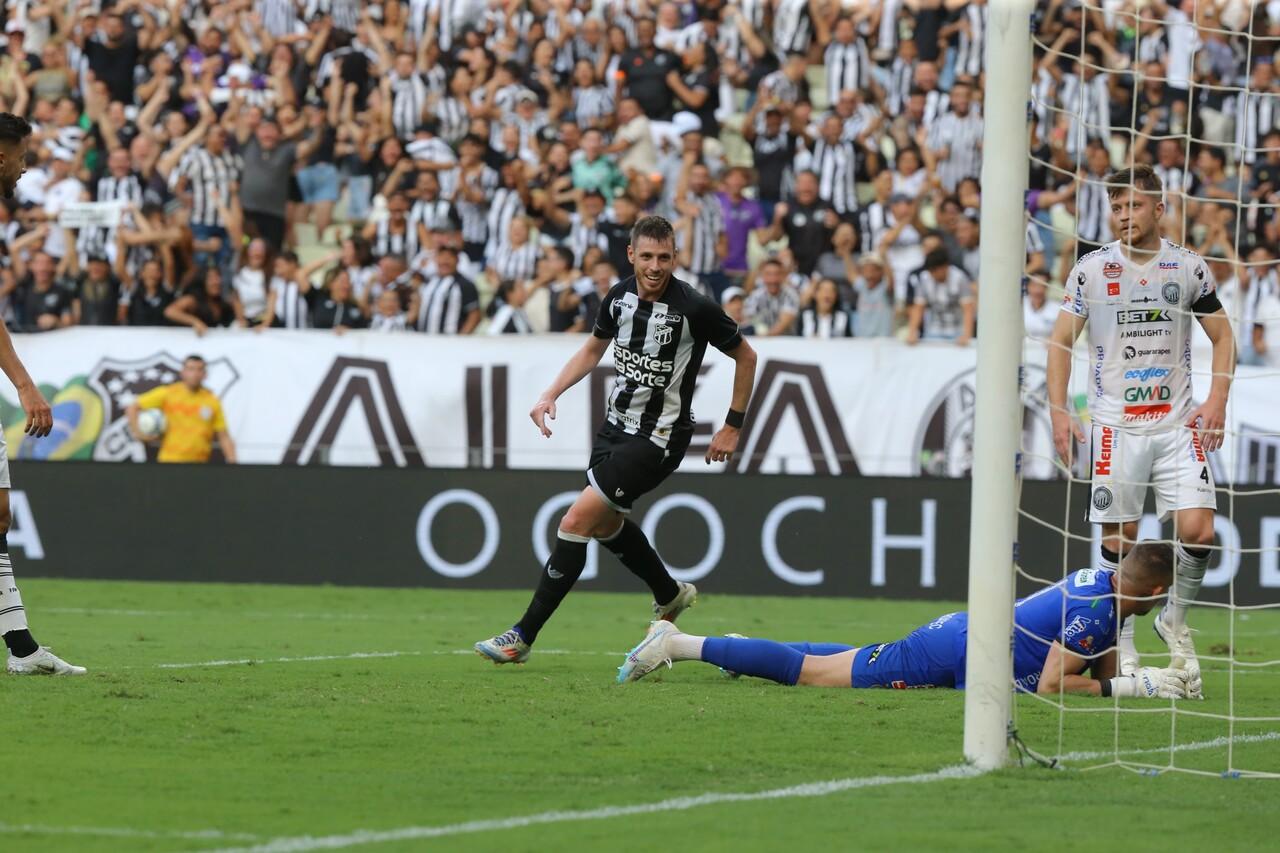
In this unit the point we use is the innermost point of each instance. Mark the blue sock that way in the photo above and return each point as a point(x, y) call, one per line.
point(761, 658)
point(820, 649)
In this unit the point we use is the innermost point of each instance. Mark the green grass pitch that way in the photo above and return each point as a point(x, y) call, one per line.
point(141, 756)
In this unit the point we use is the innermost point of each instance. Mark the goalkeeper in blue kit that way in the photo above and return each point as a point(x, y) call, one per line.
point(1059, 632)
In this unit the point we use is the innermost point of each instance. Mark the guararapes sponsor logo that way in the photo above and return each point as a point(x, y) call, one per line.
point(642, 368)
point(1106, 442)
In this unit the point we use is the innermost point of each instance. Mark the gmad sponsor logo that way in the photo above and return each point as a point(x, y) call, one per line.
point(1145, 393)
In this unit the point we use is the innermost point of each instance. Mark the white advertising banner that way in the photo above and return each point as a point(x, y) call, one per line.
point(843, 407)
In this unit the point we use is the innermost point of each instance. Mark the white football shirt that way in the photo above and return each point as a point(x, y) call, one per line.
point(1139, 325)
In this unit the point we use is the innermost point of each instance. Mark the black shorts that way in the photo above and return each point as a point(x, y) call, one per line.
point(623, 467)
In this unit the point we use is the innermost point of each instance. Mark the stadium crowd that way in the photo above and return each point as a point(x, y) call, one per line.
point(463, 166)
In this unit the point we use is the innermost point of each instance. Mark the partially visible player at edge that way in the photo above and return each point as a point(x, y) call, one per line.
point(26, 656)
point(1138, 295)
point(1059, 632)
point(660, 327)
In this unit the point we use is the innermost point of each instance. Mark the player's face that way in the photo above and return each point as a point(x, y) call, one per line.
point(1135, 217)
point(13, 163)
point(654, 262)
point(193, 373)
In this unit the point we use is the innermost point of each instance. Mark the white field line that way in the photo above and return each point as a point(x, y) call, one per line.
point(357, 656)
point(413, 833)
point(1194, 746)
point(125, 832)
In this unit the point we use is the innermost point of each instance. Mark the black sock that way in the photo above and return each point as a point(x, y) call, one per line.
point(632, 547)
point(561, 572)
point(21, 643)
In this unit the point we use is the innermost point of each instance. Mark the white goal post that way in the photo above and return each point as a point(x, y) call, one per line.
point(998, 411)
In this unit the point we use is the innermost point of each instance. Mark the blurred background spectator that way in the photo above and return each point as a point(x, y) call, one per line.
point(475, 165)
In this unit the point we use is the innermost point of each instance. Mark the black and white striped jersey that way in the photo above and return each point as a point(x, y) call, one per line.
point(1088, 107)
point(936, 103)
point(833, 325)
point(437, 214)
point(408, 103)
point(1093, 210)
point(971, 44)
point(401, 240)
point(708, 225)
point(657, 350)
point(874, 221)
point(279, 17)
point(836, 165)
point(1034, 243)
point(582, 236)
point(901, 73)
point(504, 206)
point(444, 303)
point(848, 68)
point(475, 226)
point(345, 13)
point(515, 263)
point(209, 178)
point(1257, 114)
point(592, 104)
point(962, 137)
point(792, 27)
point(101, 240)
point(454, 119)
point(291, 308)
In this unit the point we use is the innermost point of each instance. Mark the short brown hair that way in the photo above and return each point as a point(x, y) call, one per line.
point(1142, 178)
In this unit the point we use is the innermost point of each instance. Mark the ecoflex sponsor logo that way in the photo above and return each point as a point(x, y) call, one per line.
point(1146, 373)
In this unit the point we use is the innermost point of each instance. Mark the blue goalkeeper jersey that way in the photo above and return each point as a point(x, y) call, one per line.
point(1079, 612)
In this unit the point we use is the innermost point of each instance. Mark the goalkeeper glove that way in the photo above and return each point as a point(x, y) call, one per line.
point(1150, 682)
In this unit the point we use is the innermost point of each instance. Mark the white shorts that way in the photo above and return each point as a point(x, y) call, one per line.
point(1125, 463)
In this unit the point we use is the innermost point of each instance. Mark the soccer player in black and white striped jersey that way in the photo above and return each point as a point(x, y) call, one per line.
point(446, 303)
point(659, 327)
point(26, 656)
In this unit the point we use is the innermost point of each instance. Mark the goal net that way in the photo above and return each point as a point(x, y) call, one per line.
point(1188, 89)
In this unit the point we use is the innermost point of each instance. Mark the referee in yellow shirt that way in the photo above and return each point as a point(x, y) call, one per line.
point(193, 417)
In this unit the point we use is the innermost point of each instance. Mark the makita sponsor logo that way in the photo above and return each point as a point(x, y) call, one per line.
point(1102, 466)
point(1142, 315)
point(1152, 412)
point(642, 367)
point(1145, 373)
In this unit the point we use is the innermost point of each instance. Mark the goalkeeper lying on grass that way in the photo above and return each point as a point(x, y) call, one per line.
point(1058, 632)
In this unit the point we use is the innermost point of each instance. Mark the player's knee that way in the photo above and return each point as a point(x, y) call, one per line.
point(577, 523)
point(5, 518)
point(1199, 536)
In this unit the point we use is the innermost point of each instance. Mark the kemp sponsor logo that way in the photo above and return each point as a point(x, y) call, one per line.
point(1146, 393)
point(1147, 373)
point(1151, 412)
point(1136, 316)
point(1197, 449)
point(1102, 465)
point(1111, 269)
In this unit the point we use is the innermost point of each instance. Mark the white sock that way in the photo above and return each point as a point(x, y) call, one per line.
point(1125, 643)
point(1188, 574)
point(13, 616)
point(685, 646)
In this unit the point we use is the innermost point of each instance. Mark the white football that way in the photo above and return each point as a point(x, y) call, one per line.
point(151, 423)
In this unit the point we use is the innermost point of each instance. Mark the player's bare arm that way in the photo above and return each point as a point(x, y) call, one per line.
point(39, 415)
point(578, 366)
point(725, 441)
point(1066, 431)
point(1210, 417)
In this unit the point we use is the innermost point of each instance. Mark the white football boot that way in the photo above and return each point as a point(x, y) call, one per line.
point(1181, 646)
point(651, 654)
point(42, 662)
point(685, 598)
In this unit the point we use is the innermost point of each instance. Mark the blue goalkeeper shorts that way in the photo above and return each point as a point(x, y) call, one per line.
point(930, 656)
